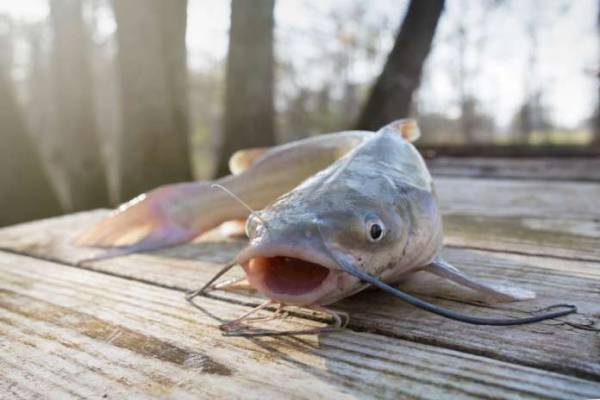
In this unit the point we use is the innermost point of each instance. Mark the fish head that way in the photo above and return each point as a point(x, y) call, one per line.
point(289, 256)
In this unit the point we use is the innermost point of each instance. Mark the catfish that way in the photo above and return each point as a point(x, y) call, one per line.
point(337, 214)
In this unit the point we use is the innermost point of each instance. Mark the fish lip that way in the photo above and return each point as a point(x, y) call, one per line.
point(274, 250)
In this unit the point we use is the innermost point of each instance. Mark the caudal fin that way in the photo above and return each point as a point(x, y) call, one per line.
point(152, 220)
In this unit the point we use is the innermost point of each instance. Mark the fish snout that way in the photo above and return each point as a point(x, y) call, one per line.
point(287, 227)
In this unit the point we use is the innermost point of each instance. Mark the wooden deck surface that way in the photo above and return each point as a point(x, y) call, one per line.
point(120, 328)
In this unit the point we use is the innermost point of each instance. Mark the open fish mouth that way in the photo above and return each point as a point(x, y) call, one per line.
point(288, 275)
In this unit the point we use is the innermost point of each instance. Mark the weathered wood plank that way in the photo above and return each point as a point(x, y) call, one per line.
point(573, 169)
point(70, 333)
point(560, 219)
point(52, 238)
point(574, 350)
point(575, 341)
point(187, 266)
point(557, 237)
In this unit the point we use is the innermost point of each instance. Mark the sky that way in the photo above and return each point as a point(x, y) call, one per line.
point(567, 51)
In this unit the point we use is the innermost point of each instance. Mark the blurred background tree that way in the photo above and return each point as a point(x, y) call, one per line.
point(153, 145)
point(596, 73)
point(249, 110)
point(26, 192)
point(80, 177)
point(391, 96)
point(105, 99)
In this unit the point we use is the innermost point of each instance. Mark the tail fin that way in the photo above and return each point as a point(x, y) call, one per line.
point(152, 220)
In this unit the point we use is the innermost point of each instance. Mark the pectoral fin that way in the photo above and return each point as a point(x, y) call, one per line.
point(346, 265)
point(491, 292)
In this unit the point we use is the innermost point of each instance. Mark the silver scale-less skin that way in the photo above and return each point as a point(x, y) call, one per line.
point(384, 180)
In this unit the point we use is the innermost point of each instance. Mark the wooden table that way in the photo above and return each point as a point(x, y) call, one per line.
point(120, 328)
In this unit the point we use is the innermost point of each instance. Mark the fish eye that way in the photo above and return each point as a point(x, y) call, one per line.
point(376, 230)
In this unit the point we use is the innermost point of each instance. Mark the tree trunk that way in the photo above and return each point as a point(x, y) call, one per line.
point(596, 117)
point(25, 191)
point(249, 110)
point(392, 94)
point(153, 146)
point(75, 148)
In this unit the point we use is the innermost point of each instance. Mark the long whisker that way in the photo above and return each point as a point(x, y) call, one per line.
point(229, 192)
point(444, 312)
point(242, 202)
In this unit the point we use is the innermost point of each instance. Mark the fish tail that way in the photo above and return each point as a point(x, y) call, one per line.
point(165, 216)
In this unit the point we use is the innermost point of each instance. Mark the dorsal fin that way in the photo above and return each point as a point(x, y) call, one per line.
point(242, 159)
point(406, 127)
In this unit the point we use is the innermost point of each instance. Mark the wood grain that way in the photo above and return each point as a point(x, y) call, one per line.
point(511, 198)
point(559, 219)
point(574, 348)
point(557, 237)
point(72, 333)
point(575, 345)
